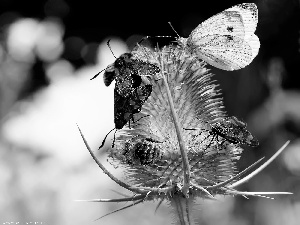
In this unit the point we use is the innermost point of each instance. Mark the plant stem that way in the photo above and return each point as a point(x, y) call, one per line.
point(183, 209)
point(183, 151)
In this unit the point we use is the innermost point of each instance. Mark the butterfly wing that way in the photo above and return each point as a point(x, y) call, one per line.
point(227, 40)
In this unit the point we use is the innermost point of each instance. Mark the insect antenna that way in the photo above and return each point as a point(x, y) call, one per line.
point(104, 69)
point(97, 74)
point(110, 48)
point(173, 29)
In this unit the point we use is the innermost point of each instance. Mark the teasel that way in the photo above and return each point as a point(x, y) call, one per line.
point(167, 152)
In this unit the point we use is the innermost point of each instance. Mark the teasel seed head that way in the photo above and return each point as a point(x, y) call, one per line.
point(149, 148)
point(170, 151)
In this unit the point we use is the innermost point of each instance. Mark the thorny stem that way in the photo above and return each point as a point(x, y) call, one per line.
point(260, 168)
point(234, 177)
point(182, 208)
point(141, 190)
point(135, 198)
point(183, 150)
point(122, 184)
point(260, 194)
point(125, 207)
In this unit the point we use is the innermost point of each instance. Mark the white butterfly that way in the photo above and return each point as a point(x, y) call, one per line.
point(226, 40)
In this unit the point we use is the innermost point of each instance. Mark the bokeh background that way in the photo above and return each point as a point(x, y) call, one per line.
point(48, 52)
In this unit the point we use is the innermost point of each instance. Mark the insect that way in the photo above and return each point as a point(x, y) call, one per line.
point(234, 131)
point(142, 152)
point(132, 88)
point(129, 73)
point(226, 40)
point(126, 107)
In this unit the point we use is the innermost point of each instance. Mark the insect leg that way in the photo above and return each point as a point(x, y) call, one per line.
point(114, 140)
point(101, 146)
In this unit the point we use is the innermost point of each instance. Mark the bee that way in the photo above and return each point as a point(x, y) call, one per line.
point(143, 151)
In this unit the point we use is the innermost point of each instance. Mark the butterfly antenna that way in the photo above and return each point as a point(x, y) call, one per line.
point(110, 48)
point(173, 29)
point(103, 142)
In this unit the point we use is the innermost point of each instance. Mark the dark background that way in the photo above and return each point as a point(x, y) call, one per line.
point(93, 21)
point(278, 26)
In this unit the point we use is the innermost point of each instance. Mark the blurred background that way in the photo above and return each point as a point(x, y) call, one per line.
point(48, 52)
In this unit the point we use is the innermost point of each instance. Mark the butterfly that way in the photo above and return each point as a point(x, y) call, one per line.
point(226, 40)
point(234, 131)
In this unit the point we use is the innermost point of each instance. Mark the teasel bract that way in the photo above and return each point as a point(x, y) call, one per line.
point(168, 153)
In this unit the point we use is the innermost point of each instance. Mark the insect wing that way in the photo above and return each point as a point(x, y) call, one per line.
point(224, 129)
point(227, 40)
point(148, 62)
point(239, 21)
point(224, 23)
point(126, 107)
point(249, 139)
point(121, 116)
point(234, 131)
point(237, 122)
point(130, 73)
point(225, 52)
point(109, 75)
point(145, 68)
point(249, 15)
point(141, 95)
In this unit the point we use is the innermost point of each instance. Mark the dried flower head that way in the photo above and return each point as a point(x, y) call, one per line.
point(172, 151)
point(150, 147)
